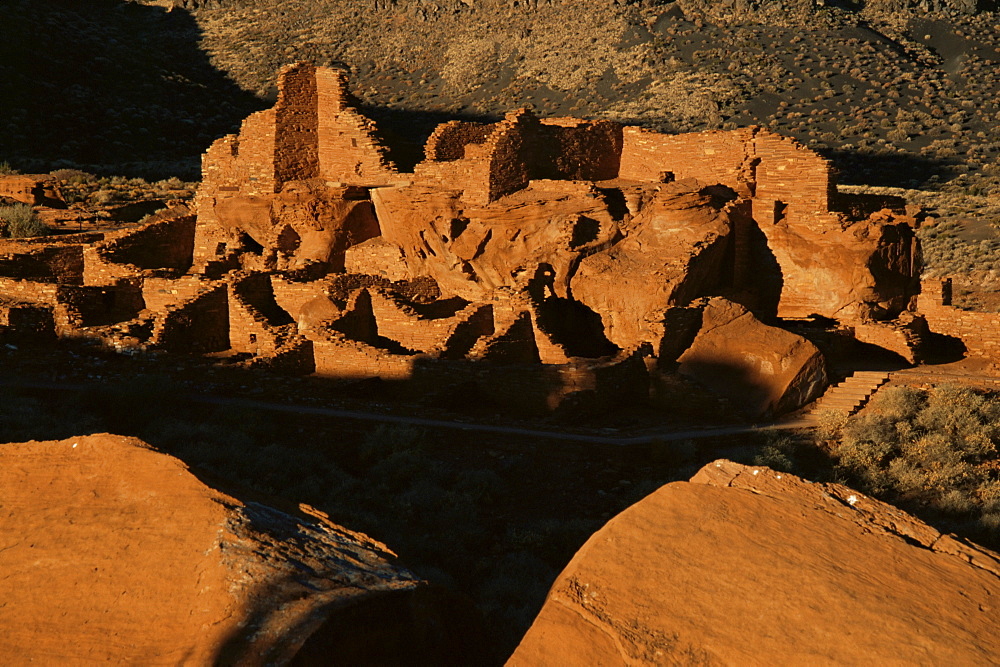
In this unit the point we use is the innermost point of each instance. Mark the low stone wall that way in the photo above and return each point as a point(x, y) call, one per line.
point(200, 324)
point(56, 263)
point(26, 323)
point(980, 332)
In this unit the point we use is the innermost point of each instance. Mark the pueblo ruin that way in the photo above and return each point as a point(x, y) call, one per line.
point(545, 261)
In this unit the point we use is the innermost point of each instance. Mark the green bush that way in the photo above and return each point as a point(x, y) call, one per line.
point(926, 446)
point(19, 220)
point(74, 176)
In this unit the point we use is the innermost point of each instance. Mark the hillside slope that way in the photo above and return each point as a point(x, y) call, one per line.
point(897, 93)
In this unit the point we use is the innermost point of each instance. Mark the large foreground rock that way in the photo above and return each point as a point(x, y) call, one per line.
point(113, 552)
point(743, 565)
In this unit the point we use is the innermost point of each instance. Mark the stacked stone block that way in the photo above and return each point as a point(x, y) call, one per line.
point(980, 332)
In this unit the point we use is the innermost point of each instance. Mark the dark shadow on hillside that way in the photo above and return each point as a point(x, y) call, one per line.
point(895, 170)
point(112, 87)
point(405, 131)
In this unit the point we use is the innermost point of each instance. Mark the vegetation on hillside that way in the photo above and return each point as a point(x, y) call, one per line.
point(931, 451)
point(19, 221)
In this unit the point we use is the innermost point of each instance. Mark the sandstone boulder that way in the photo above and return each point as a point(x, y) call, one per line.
point(765, 370)
point(31, 189)
point(113, 552)
point(743, 565)
point(472, 250)
point(307, 221)
point(673, 251)
point(841, 270)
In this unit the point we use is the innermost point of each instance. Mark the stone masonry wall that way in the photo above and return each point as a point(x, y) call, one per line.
point(711, 157)
point(159, 294)
point(161, 244)
point(349, 150)
point(200, 324)
point(449, 140)
point(58, 264)
point(751, 161)
point(337, 356)
point(578, 150)
point(26, 322)
point(397, 321)
point(490, 161)
point(256, 323)
point(296, 140)
point(790, 173)
point(979, 331)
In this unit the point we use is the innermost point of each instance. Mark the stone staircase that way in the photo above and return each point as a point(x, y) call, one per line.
point(849, 396)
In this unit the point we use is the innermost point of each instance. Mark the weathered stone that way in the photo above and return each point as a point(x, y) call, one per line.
point(674, 251)
point(764, 370)
point(743, 565)
point(114, 552)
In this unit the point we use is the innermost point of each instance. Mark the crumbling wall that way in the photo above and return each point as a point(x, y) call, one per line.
point(338, 356)
point(296, 141)
point(85, 306)
point(349, 150)
point(903, 338)
point(55, 263)
point(235, 165)
point(487, 162)
point(723, 157)
point(398, 321)
point(577, 150)
point(788, 172)
point(292, 296)
point(166, 243)
point(26, 322)
point(198, 325)
point(450, 140)
point(257, 324)
point(980, 332)
point(860, 206)
point(159, 294)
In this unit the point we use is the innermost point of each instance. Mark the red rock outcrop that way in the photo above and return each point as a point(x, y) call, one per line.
point(569, 243)
point(764, 370)
point(32, 189)
point(743, 565)
point(673, 251)
point(114, 552)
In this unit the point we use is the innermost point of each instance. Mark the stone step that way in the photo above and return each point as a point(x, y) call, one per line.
point(848, 396)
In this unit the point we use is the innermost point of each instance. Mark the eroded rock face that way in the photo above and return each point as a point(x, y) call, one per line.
point(471, 251)
point(869, 268)
point(674, 251)
point(743, 565)
point(763, 369)
point(306, 222)
point(114, 552)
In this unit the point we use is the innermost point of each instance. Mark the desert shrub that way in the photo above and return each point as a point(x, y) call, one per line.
point(106, 196)
point(385, 440)
point(777, 453)
point(925, 446)
point(830, 423)
point(74, 176)
point(20, 220)
point(7, 170)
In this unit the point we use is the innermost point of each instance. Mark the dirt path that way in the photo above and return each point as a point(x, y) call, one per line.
point(656, 435)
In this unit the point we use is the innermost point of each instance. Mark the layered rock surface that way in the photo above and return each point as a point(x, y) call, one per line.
point(114, 552)
point(744, 565)
point(764, 369)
